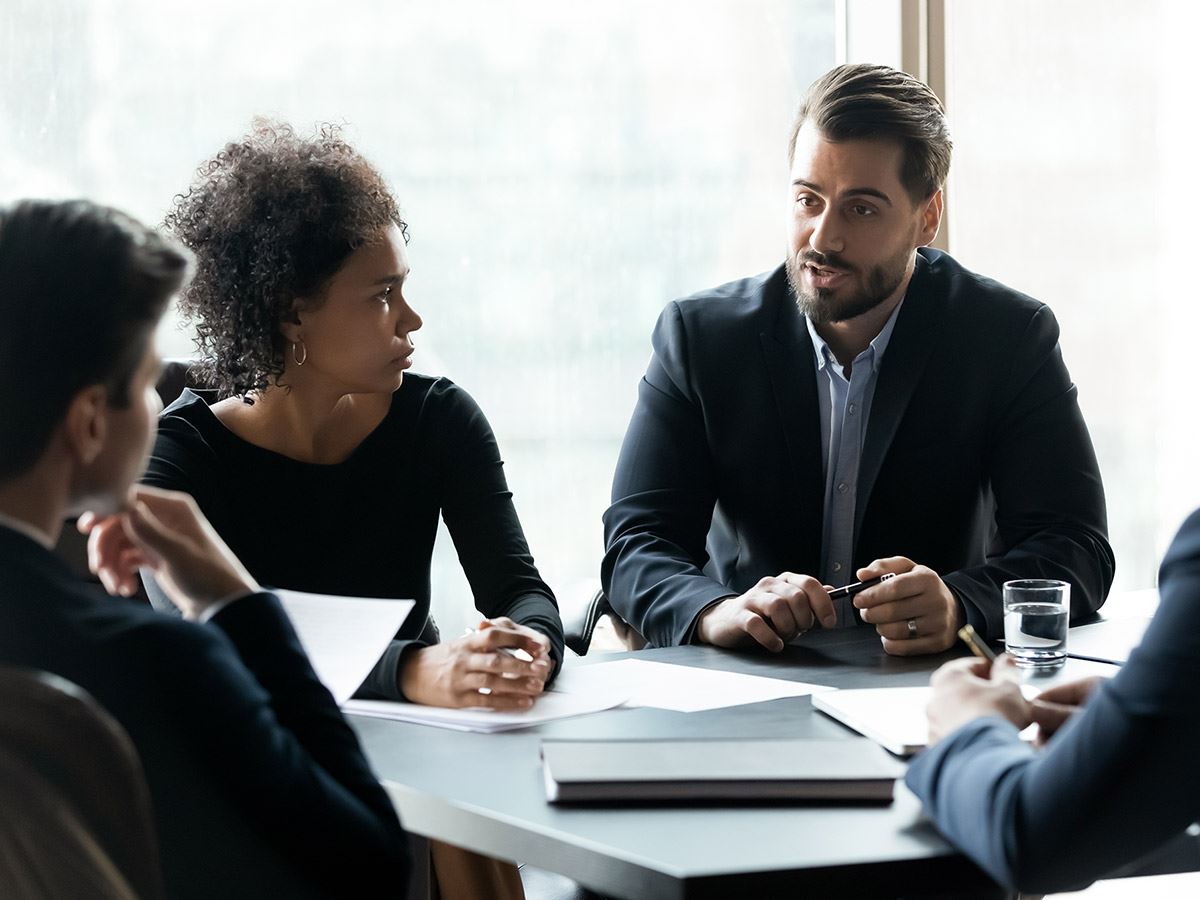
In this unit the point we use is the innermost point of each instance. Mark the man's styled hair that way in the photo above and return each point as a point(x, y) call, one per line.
point(857, 102)
point(82, 287)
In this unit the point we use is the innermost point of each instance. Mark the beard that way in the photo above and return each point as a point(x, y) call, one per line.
point(821, 305)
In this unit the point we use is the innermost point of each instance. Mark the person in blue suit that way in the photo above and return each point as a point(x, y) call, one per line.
point(1117, 775)
point(259, 786)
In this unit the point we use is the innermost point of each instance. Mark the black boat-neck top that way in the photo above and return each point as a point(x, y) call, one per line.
point(365, 527)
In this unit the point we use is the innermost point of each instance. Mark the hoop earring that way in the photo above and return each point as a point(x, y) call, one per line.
point(300, 360)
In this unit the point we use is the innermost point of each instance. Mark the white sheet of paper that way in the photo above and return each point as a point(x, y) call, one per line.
point(343, 636)
point(680, 688)
point(1111, 641)
point(895, 717)
point(546, 708)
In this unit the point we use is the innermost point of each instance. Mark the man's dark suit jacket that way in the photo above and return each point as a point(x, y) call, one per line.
point(976, 461)
point(259, 786)
point(1117, 781)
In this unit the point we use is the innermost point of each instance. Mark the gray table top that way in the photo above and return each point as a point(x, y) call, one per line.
point(485, 792)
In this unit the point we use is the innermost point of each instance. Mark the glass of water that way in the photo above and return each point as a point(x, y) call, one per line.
point(1036, 611)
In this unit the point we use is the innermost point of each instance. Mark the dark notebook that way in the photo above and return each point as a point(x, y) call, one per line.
point(794, 769)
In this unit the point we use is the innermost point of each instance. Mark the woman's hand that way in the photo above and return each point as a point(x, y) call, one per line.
point(967, 689)
point(480, 669)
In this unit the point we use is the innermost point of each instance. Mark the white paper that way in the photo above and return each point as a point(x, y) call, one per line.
point(1108, 641)
point(546, 708)
point(343, 636)
point(895, 717)
point(680, 688)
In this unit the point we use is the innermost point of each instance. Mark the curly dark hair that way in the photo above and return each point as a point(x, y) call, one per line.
point(271, 219)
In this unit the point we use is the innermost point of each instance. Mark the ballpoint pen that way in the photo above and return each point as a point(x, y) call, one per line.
point(858, 587)
point(971, 638)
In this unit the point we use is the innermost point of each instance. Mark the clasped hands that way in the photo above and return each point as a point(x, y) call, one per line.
point(779, 608)
point(482, 668)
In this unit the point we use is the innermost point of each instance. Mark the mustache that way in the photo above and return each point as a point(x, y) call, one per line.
point(825, 260)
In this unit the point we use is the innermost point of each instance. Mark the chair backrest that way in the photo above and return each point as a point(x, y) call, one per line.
point(75, 813)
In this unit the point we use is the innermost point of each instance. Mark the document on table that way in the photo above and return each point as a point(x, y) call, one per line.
point(1110, 642)
point(895, 717)
point(343, 636)
point(548, 707)
point(680, 688)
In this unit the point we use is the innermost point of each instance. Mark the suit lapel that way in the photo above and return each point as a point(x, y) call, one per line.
point(788, 354)
point(914, 337)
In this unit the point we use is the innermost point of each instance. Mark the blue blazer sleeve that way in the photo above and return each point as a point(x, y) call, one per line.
point(1116, 782)
point(663, 496)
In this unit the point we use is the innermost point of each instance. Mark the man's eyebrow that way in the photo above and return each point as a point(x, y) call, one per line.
point(853, 192)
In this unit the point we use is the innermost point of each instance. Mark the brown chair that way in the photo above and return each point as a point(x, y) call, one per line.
point(75, 813)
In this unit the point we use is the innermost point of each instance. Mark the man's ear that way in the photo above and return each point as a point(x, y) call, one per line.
point(931, 219)
point(85, 427)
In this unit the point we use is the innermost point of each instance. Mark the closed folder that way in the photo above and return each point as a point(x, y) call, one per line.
point(853, 770)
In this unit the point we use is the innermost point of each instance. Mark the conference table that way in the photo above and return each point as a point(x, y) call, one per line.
point(485, 792)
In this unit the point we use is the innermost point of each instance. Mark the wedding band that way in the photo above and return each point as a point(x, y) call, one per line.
point(912, 628)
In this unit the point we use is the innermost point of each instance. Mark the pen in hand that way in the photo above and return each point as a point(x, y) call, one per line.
point(515, 652)
point(979, 647)
point(858, 587)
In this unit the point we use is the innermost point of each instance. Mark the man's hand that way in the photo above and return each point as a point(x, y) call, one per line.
point(967, 689)
point(771, 613)
point(165, 532)
point(475, 670)
point(1055, 705)
point(918, 595)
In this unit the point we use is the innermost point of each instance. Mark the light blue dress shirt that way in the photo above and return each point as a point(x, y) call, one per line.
point(845, 405)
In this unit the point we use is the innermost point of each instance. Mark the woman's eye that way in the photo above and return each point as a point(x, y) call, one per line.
point(386, 294)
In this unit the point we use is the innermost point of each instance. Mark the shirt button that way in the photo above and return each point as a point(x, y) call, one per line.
point(843, 487)
point(850, 409)
point(837, 567)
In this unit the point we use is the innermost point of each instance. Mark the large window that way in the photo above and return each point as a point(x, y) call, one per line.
point(1073, 180)
point(566, 168)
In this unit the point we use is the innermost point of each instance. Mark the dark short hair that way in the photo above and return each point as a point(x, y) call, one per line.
point(271, 219)
point(82, 288)
point(856, 102)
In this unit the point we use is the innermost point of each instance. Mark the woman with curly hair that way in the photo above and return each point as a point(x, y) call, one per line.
point(325, 462)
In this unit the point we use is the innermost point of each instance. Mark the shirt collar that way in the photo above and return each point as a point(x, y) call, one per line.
point(870, 357)
point(22, 527)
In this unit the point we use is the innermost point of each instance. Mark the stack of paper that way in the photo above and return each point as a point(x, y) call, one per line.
point(548, 707)
point(680, 688)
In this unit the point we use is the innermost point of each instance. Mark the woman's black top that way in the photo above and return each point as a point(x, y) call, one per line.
point(365, 527)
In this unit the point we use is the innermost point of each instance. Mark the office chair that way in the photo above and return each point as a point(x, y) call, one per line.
point(580, 616)
point(75, 814)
